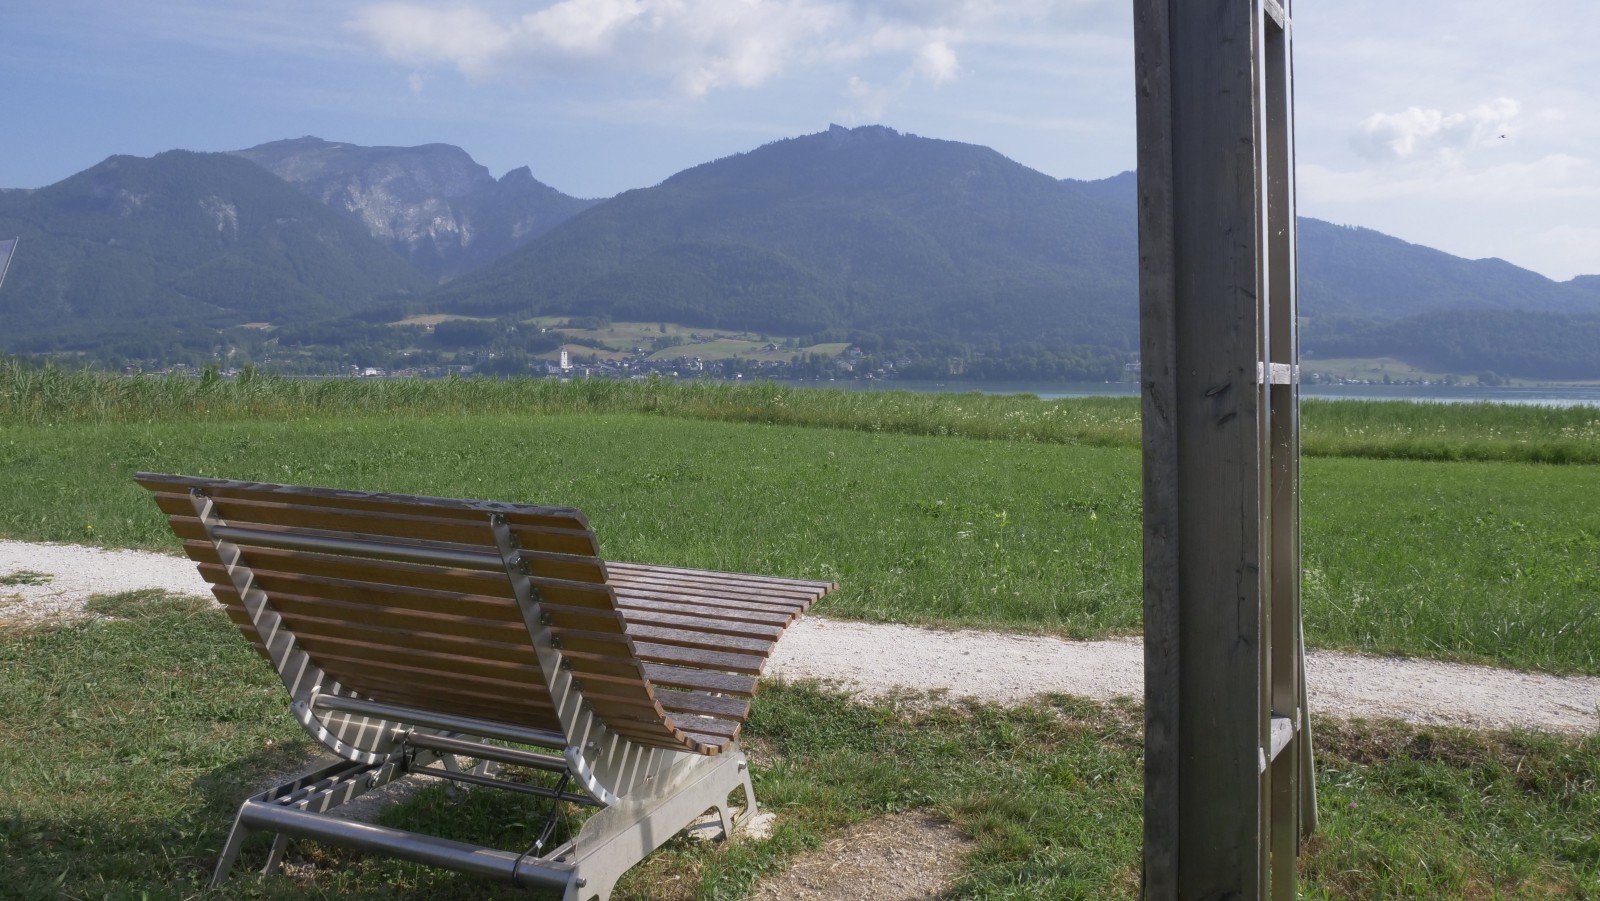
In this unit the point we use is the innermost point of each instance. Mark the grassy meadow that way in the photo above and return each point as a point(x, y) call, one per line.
point(1463, 533)
point(129, 742)
point(1371, 429)
point(1476, 561)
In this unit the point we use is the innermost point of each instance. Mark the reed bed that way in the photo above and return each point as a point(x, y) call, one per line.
point(1370, 429)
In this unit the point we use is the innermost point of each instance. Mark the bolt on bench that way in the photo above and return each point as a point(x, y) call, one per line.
point(413, 631)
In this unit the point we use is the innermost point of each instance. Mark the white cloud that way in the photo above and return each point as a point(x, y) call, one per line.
point(699, 46)
point(583, 27)
point(937, 62)
point(419, 36)
point(1418, 133)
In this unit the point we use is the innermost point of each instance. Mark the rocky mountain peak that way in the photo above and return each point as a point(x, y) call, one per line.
point(433, 204)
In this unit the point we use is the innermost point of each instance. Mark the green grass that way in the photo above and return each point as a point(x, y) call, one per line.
point(130, 741)
point(1371, 429)
point(1375, 368)
point(1490, 562)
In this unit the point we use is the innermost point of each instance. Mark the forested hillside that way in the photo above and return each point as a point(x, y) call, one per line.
point(1501, 342)
point(964, 261)
point(861, 231)
point(145, 254)
point(940, 258)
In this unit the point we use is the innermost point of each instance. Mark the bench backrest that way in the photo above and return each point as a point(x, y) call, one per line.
point(407, 600)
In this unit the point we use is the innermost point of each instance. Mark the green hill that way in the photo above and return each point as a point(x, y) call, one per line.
point(940, 250)
point(1350, 271)
point(862, 230)
point(934, 256)
point(1523, 343)
point(141, 251)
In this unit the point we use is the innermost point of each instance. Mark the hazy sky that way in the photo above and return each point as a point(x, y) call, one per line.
point(1472, 125)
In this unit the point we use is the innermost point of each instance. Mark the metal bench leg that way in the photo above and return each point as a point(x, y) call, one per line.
point(230, 850)
point(750, 808)
point(280, 843)
point(615, 839)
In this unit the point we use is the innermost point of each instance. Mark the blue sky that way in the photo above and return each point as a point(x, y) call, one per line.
point(1401, 107)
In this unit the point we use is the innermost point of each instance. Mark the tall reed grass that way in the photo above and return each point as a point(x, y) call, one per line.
point(1376, 429)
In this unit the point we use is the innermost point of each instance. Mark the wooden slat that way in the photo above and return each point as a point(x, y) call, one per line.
point(565, 566)
point(685, 638)
point(711, 744)
point(471, 629)
point(587, 665)
point(703, 625)
point(375, 572)
point(701, 725)
point(698, 702)
point(630, 604)
point(706, 680)
point(675, 739)
point(423, 662)
point(719, 576)
point(517, 514)
point(654, 652)
point(554, 591)
point(308, 619)
point(477, 616)
point(638, 594)
point(781, 597)
point(585, 619)
point(450, 698)
point(350, 668)
point(475, 533)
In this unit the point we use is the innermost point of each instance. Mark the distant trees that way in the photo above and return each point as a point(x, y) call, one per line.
point(1493, 343)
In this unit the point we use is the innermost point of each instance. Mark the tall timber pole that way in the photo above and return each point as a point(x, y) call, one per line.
point(1229, 794)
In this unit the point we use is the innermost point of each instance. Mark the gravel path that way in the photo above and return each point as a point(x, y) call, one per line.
point(869, 659)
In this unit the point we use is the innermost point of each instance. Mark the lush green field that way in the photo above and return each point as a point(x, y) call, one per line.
point(130, 741)
point(1331, 428)
point(1496, 562)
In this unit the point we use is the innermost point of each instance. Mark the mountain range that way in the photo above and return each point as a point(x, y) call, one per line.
point(915, 246)
point(433, 204)
point(181, 242)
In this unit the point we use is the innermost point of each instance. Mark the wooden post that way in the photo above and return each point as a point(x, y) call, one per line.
point(1227, 754)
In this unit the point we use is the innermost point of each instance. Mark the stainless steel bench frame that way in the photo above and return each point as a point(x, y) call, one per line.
point(646, 795)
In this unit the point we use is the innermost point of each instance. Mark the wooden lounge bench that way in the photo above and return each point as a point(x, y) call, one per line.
point(448, 637)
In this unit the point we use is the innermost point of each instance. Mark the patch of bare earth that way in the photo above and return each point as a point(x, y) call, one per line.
point(900, 857)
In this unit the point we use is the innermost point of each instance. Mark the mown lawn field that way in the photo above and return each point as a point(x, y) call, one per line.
point(1489, 562)
point(129, 741)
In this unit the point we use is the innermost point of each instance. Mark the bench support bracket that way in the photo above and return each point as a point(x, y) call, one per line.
point(585, 867)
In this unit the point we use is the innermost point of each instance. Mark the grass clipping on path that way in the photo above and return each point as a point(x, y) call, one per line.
point(131, 740)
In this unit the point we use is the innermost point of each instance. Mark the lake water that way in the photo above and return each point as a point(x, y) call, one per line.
point(1549, 396)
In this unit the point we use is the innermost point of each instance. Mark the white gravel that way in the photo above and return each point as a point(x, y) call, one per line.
point(868, 659)
point(77, 573)
point(872, 659)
